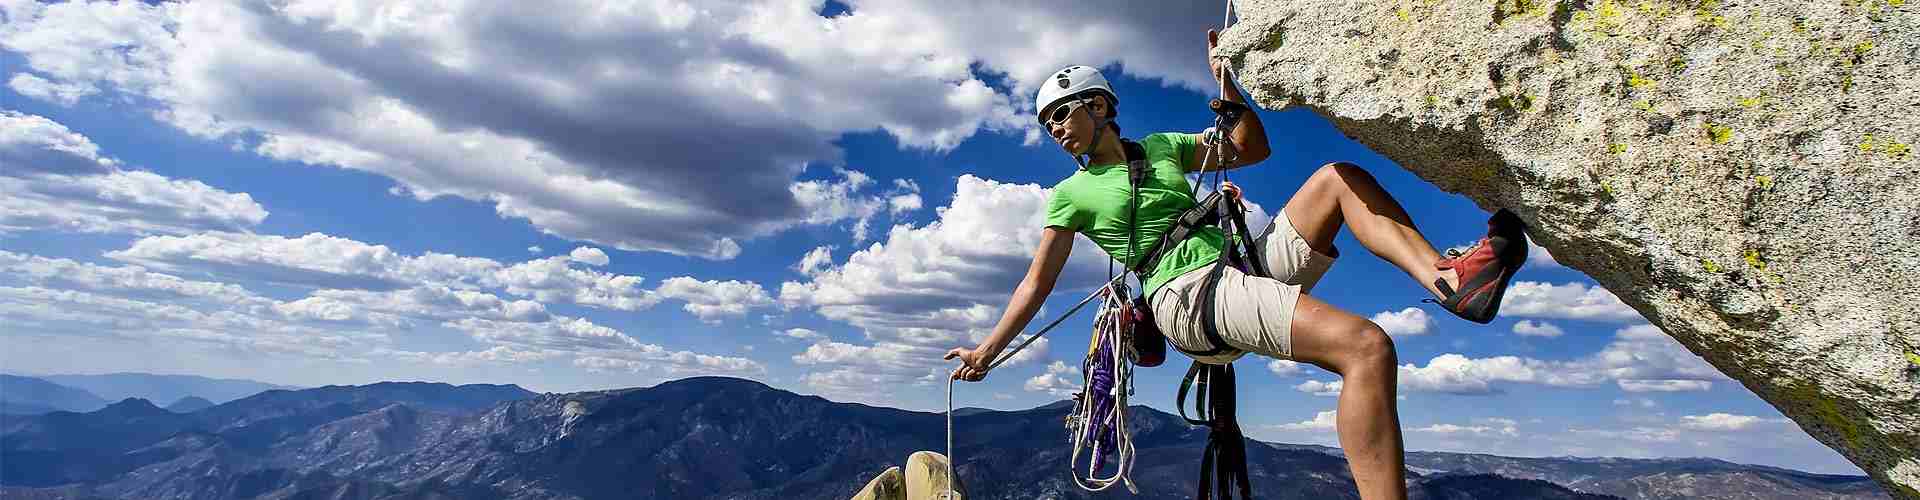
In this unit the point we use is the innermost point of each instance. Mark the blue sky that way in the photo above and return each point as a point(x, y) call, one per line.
point(607, 196)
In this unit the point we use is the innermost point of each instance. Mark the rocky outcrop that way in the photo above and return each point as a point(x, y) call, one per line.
point(1742, 173)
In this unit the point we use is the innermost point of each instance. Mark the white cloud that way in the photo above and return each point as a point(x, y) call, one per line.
point(713, 300)
point(1640, 359)
point(1406, 322)
point(1500, 427)
point(236, 329)
point(535, 250)
point(62, 297)
point(559, 333)
point(321, 261)
point(1285, 368)
point(1457, 374)
point(930, 288)
point(125, 281)
point(589, 256)
point(902, 203)
point(32, 143)
point(1664, 385)
point(816, 260)
point(424, 302)
point(496, 354)
point(1532, 299)
point(800, 334)
point(1725, 422)
point(53, 178)
point(66, 94)
point(829, 201)
point(669, 363)
point(1528, 328)
point(1319, 388)
point(1059, 381)
point(390, 89)
point(1323, 421)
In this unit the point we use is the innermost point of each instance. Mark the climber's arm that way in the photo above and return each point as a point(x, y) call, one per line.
point(1056, 243)
point(1249, 137)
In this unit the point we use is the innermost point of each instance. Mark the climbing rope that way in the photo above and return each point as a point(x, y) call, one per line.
point(951, 459)
point(1099, 418)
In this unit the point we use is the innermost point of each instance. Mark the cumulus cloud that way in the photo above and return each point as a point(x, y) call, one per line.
point(1726, 422)
point(127, 281)
point(1059, 381)
point(535, 250)
point(1532, 299)
point(1319, 388)
point(815, 261)
point(314, 260)
point(589, 256)
point(1529, 328)
point(54, 178)
point(1494, 426)
point(1457, 374)
point(48, 296)
point(389, 89)
point(1323, 421)
point(1285, 368)
point(926, 289)
point(800, 334)
point(426, 302)
point(322, 261)
point(1640, 359)
point(713, 300)
point(559, 333)
point(1664, 385)
point(1405, 322)
point(32, 143)
point(671, 363)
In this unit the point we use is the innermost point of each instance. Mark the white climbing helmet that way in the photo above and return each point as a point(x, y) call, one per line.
point(1066, 83)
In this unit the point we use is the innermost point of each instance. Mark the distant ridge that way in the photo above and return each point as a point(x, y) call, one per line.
point(32, 396)
point(165, 388)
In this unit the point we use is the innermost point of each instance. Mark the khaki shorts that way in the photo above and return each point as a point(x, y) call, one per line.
point(1253, 314)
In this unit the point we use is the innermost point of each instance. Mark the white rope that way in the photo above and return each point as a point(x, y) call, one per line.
point(1106, 329)
point(950, 493)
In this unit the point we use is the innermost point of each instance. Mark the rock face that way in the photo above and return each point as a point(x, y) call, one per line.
point(1741, 173)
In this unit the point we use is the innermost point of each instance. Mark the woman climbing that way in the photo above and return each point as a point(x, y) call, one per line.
point(1277, 317)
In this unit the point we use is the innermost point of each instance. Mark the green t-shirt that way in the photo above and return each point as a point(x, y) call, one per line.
point(1094, 202)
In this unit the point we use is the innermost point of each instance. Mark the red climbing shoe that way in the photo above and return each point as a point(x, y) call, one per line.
point(1485, 269)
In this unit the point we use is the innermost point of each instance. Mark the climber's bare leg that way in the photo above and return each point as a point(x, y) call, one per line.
point(1368, 421)
point(1344, 193)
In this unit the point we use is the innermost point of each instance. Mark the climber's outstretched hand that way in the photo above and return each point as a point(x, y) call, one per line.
point(973, 364)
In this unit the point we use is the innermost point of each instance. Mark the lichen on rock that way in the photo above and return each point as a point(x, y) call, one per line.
point(1741, 173)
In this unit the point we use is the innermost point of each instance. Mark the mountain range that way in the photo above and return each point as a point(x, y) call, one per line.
point(34, 395)
point(710, 438)
point(162, 388)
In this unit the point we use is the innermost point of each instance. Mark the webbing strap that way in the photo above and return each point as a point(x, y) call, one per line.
point(1223, 463)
